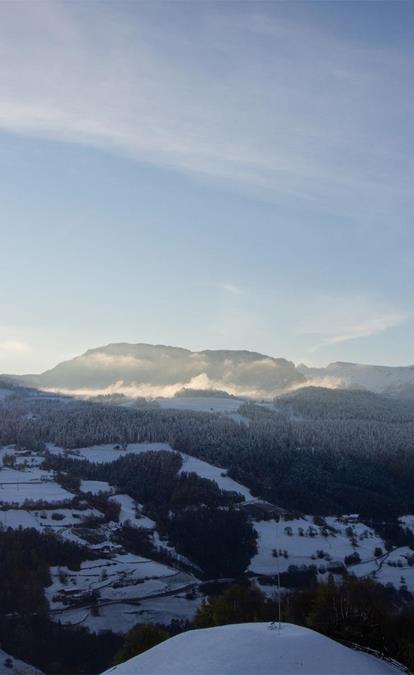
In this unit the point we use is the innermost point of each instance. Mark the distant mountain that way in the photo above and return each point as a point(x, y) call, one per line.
point(398, 380)
point(157, 370)
point(161, 371)
point(253, 648)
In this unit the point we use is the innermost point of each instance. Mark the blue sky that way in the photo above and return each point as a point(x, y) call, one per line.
point(209, 175)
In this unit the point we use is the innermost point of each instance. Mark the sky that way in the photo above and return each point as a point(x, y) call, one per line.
point(230, 175)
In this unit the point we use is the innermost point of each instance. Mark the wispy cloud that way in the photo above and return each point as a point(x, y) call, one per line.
point(371, 326)
point(343, 318)
point(230, 288)
point(242, 96)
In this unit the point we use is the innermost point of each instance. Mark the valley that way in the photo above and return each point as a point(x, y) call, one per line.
point(139, 513)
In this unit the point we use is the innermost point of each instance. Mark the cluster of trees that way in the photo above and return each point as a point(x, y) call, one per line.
point(393, 533)
point(292, 456)
point(138, 540)
point(139, 639)
point(197, 517)
point(345, 404)
point(220, 542)
point(309, 455)
point(25, 628)
point(25, 558)
point(57, 649)
point(357, 611)
point(295, 577)
point(149, 477)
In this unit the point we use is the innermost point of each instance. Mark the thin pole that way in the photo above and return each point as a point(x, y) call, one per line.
point(278, 575)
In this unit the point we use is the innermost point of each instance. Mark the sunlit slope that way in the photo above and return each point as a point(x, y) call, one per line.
point(157, 370)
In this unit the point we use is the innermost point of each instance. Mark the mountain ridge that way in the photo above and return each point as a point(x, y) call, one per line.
point(144, 369)
point(161, 370)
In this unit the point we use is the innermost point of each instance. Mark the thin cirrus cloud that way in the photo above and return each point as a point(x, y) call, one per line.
point(230, 288)
point(367, 327)
point(371, 326)
point(244, 96)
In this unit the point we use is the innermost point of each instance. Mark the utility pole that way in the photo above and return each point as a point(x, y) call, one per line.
point(279, 610)
point(278, 576)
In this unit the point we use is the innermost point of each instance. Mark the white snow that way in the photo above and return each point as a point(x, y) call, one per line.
point(17, 667)
point(253, 649)
point(16, 518)
point(396, 568)
point(122, 577)
point(32, 484)
point(128, 513)
point(121, 617)
point(7, 450)
point(205, 470)
point(216, 404)
point(106, 453)
point(407, 521)
point(302, 549)
point(45, 519)
point(31, 475)
point(360, 376)
point(95, 486)
point(131, 589)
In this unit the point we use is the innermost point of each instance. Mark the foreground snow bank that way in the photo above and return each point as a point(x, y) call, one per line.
point(253, 649)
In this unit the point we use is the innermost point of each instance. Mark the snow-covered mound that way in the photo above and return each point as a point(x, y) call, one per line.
point(253, 649)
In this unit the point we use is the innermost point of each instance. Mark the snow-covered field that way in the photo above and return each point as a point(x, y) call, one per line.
point(121, 617)
point(128, 589)
point(396, 567)
point(45, 519)
point(205, 470)
point(130, 512)
point(253, 649)
point(216, 404)
point(95, 486)
point(302, 540)
point(24, 458)
point(32, 484)
point(107, 453)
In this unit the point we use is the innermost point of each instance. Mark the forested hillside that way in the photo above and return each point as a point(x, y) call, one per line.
point(112, 516)
point(312, 452)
